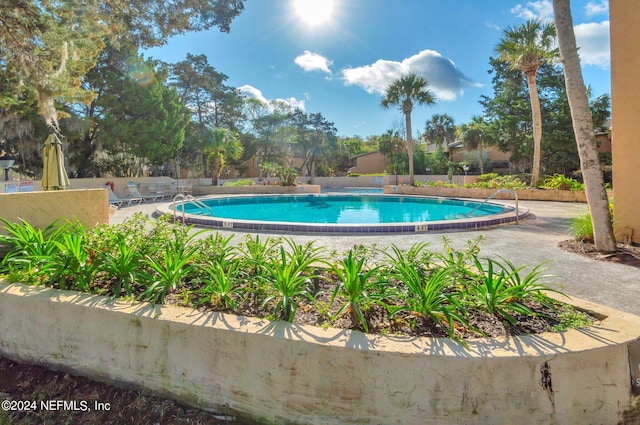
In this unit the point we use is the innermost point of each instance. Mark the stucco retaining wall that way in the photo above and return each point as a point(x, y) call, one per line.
point(41, 208)
point(276, 372)
point(461, 192)
point(254, 190)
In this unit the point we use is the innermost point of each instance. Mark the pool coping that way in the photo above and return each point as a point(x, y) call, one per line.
point(327, 228)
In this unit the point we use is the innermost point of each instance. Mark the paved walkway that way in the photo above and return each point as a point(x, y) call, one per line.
point(533, 241)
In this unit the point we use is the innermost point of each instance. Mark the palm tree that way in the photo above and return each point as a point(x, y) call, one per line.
point(403, 93)
point(440, 129)
point(223, 146)
point(603, 236)
point(475, 136)
point(526, 47)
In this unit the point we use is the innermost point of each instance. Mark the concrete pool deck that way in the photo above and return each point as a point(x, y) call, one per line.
point(532, 241)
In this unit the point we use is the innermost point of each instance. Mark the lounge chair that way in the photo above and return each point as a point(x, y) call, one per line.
point(167, 189)
point(135, 193)
point(157, 191)
point(114, 200)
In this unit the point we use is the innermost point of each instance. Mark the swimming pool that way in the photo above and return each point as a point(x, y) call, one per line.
point(345, 213)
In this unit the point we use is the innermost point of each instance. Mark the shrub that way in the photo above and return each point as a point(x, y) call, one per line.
point(494, 181)
point(561, 182)
point(582, 227)
point(483, 178)
point(241, 182)
point(287, 176)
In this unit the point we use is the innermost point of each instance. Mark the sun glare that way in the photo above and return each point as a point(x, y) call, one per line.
point(314, 12)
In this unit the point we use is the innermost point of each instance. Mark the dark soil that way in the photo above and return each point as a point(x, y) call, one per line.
point(626, 254)
point(34, 383)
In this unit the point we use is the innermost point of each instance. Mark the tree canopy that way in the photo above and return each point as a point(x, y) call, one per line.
point(47, 47)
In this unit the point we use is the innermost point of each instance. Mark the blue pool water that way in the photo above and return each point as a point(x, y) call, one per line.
point(342, 209)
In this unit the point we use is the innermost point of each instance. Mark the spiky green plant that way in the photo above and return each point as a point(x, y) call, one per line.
point(169, 270)
point(221, 284)
point(426, 293)
point(122, 263)
point(289, 278)
point(357, 285)
point(502, 290)
point(29, 247)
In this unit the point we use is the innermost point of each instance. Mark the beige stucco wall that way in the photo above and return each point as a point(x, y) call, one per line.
point(120, 183)
point(461, 192)
point(41, 208)
point(255, 189)
point(625, 104)
point(277, 372)
point(370, 163)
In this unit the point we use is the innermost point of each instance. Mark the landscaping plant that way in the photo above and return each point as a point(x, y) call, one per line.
point(397, 290)
point(289, 279)
point(501, 290)
point(357, 285)
point(423, 292)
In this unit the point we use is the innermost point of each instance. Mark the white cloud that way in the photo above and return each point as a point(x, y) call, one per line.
point(593, 8)
point(539, 9)
point(254, 93)
point(310, 61)
point(293, 102)
point(593, 42)
point(445, 80)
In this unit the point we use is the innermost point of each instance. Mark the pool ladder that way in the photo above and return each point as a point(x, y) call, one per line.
point(513, 192)
point(184, 198)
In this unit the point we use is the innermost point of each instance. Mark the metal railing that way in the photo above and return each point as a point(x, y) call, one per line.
point(185, 198)
point(515, 196)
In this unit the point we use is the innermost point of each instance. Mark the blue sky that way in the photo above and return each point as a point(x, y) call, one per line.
point(338, 60)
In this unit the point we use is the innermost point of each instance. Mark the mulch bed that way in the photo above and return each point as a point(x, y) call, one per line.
point(626, 254)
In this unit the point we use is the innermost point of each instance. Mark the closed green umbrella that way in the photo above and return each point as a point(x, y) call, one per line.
point(54, 175)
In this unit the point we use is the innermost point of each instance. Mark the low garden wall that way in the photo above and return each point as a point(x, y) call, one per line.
point(41, 208)
point(462, 192)
point(277, 372)
point(257, 189)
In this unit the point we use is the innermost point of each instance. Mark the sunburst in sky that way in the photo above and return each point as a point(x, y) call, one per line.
point(314, 12)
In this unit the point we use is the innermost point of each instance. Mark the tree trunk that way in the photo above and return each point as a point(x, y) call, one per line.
point(216, 167)
point(604, 238)
point(407, 117)
point(536, 116)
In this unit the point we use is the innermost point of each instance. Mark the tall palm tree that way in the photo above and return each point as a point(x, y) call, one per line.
point(603, 235)
point(441, 129)
point(403, 93)
point(223, 146)
point(526, 47)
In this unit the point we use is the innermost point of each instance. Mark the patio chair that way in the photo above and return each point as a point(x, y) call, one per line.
point(154, 190)
point(186, 190)
point(167, 189)
point(135, 193)
point(115, 200)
